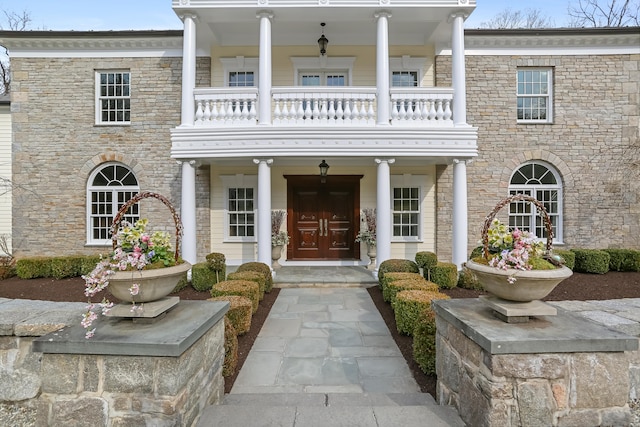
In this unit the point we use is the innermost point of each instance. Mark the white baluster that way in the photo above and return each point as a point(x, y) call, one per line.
point(207, 111)
point(252, 110)
point(307, 109)
point(447, 109)
point(315, 112)
point(347, 111)
point(355, 112)
point(211, 111)
point(199, 112)
point(323, 109)
point(245, 110)
point(371, 115)
point(402, 113)
point(395, 107)
point(424, 111)
point(332, 111)
point(439, 111)
point(299, 111)
point(340, 112)
point(432, 110)
point(228, 116)
point(277, 113)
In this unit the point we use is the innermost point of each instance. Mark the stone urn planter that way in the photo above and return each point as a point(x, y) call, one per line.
point(154, 284)
point(371, 253)
point(276, 253)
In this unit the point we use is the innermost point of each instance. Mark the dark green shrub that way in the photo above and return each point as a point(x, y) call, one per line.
point(445, 275)
point(239, 312)
point(56, 267)
point(568, 256)
point(202, 277)
point(396, 265)
point(410, 306)
point(393, 275)
point(392, 288)
point(62, 267)
point(217, 263)
point(426, 260)
point(424, 343)
point(243, 288)
point(260, 267)
point(230, 349)
point(623, 259)
point(32, 268)
point(468, 280)
point(253, 276)
point(591, 261)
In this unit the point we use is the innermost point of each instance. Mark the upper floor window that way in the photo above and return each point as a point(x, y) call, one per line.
point(240, 71)
point(534, 94)
point(241, 79)
point(113, 97)
point(404, 79)
point(541, 181)
point(108, 189)
point(240, 207)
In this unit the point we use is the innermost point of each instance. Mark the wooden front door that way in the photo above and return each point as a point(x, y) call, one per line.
point(323, 217)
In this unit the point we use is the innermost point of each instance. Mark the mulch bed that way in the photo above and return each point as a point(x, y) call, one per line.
point(582, 287)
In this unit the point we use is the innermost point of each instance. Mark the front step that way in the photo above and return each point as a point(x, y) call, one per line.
point(330, 410)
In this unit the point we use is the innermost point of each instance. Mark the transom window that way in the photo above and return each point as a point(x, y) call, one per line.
point(113, 97)
point(534, 91)
point(110, 187)
point(240, 207)
point(541, 181)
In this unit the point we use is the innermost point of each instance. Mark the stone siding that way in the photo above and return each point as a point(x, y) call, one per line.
point(56, 146)
point(593, 142)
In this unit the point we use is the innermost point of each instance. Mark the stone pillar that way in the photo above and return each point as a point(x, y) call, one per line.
point(264, 210)
point(188, 212)
point(460, 227)
point(188, 69)
point(383, 210)
point(458, 71)
point(264, 69)
point(382, 67)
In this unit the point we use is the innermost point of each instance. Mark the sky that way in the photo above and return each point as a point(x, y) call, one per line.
point(83, 15)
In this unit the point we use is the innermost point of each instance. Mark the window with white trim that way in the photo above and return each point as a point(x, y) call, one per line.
point(406, 207)
point(407, 71)
point(541, 181)
point(240, 207)
point(404, 79)
point(240, 71)
point(113, 97)
point(534, 92)
point(109, 187)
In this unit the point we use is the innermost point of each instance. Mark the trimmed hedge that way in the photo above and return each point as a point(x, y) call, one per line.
point(396, 265)
point(260, 267)
point(424, 343)
point(239, 312)
point(253, 276)
point(468, 280)
point(392, 289)
point(230, 349)
point(445, 275)
point(568, 256)
point(243, 288)
point(56, 267)
point(393, 275)
point(202, 277)
point(623, 259)
point(426, 260)
point(410, 306)
point(591, 261)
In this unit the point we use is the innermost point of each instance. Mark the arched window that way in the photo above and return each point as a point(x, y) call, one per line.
point(542, 181)
point(109, 187)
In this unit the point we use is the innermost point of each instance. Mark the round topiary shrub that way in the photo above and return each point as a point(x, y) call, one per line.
point(243, 288)
point(253, 276)
point(202, 277)
point(240, 312)
point(424, 343)
point(426, 260)
point(396, 265)
point(217, 263)
point(412, 305)
point(230, 349)
point(396, 286)
point(260, 267)
point(445, 275)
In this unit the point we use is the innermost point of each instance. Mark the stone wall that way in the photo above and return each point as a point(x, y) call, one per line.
point(56, 145)
point(592, 142)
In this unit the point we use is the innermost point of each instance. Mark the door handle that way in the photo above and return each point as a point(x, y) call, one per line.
point(320, 225)
point(326, 228)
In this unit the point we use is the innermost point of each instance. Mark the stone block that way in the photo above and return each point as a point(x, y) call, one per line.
point(616, 417)
point(473, 407)
point(526, 366)
point(449, 365)
point(90, 372)
point(127, 374)
point(610, 371)
point(80, 412)
point(18, 385)
point(634, 382)
point(535, 402)
point(8, 342)
point(560, 395)
point(60, 373)
point(581, 417)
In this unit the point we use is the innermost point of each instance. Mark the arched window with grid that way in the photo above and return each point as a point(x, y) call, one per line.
point(540, 180)
point(109, 187)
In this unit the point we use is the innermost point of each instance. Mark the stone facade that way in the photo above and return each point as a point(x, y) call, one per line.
point(593, 143)
point(56, 146)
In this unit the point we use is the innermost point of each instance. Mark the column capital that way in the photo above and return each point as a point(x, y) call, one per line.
point(258, 161)
point(458, 14)
point(265, 14)
point(192, 162)
point(465, 161)
point(389, 161)
point(191, 15)
point(382, 14)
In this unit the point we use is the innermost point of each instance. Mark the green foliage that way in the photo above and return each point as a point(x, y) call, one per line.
point(243, 288)
point(445, 275)
point(477, 252)
point(568, 256)
point(412, 305)
point(424, 343)
point(253, 276)
point(426, 260)
point(623, 259)
point(538, 263)
point(239, 312)
point(182, 283)
point(260, 267)
point(396, 265)
point(468, 280)
point(56, 267)
point(230, 349)
point(392, 288)
point(591, 261)
point(217, 262)
point(202, 277)
point(394, 275)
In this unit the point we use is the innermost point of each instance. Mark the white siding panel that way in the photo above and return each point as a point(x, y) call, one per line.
point(5, 171)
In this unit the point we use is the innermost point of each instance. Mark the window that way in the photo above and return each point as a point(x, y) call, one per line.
point(534, 95)
point(404, 79)
point(541, 181)
point(240, 207)
point(113, 100)
point(334, 78)
point(240, 71)
point(110, 187)
point(241, 79)
point(406, 207)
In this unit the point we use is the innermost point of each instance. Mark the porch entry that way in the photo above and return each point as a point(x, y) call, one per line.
point(323, 217)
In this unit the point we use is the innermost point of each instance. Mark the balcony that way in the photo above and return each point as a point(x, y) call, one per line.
point(323, 106)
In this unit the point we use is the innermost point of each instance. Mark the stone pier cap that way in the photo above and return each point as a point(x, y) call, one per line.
point(170, 335)
point(564, 333)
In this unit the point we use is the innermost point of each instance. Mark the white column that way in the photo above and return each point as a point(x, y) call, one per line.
point(264, 210)
point(188, 69)
point(460, 226)
point(458, 71)
point(264, 69)
point(382, 67)
point(188, 211)
point(383, 211)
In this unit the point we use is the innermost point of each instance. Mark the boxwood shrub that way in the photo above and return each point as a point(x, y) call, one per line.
point(202, 277)
point(591, 261)
point(253, 276)
point(392, 288)
point(260, 267)
point(468, 280)
point(568, 256)
point(445, 275)
point(426, 260)
point(424, 343)
point(240, 312)
point(217, 263)
point(396, 265)
point(243, 288)
point(230, 349)
point(411, 305)
point(56, 267)
point(623, 259)
point(394, 275)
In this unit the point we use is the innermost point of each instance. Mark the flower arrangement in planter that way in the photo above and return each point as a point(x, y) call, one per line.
point(278, 237)
point(368, 233)
point(514, 264)
point(142, 268)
